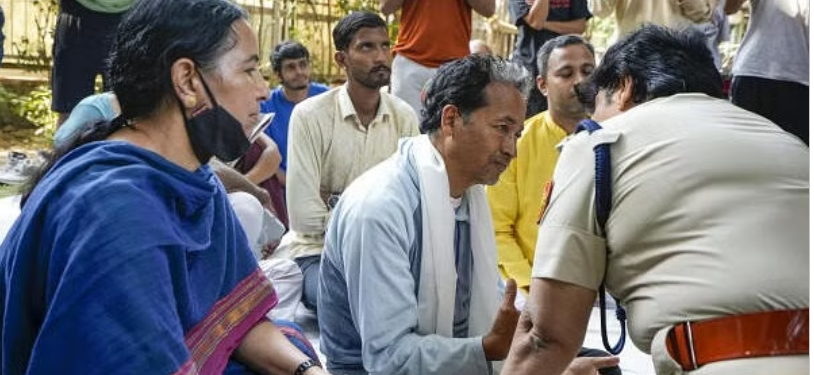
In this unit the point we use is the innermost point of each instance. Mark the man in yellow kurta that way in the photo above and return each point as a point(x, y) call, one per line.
point(517, 199)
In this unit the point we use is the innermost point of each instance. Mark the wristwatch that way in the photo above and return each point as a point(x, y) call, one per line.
point(305, 365)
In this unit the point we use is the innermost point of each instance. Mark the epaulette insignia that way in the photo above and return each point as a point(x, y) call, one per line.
point(549, 186)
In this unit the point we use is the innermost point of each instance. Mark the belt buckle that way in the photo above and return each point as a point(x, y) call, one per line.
point(690, 344)
point(681, 347)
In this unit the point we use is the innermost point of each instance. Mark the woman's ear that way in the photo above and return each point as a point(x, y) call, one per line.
point(625, 99)
point(185, 80)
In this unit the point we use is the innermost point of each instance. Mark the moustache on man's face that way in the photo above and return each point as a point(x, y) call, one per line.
point(381, 68)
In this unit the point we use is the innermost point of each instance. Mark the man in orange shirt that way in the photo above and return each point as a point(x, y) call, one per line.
point(431, 33)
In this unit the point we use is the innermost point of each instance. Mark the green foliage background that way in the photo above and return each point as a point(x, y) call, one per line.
point(31, 107)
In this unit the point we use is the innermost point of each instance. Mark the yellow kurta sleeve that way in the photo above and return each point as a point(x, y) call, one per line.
point(503, 201)
point(516, 199)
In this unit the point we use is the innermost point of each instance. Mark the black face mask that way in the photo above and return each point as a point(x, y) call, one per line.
point(214, 131)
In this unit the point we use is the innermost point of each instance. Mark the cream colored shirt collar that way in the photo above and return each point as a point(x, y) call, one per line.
point(346, 108)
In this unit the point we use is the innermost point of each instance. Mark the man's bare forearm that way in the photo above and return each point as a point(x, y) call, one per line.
point(537, 15)
point(566, 27)
point(267, 164)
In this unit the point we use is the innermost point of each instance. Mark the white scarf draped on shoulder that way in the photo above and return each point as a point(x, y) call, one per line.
point(437, 288)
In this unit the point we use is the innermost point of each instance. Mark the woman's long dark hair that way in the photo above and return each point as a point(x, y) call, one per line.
point(151, 37)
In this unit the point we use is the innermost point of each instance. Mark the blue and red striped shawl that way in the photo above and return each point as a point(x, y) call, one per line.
point(124, 263)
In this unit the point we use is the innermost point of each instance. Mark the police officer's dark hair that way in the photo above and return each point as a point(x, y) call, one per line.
point(561, 41)
point(287, 50)
point(153, 35)
point(347, 27)
point(463, 82)
point(661, 62)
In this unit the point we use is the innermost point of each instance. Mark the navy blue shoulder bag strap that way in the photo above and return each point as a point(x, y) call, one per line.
point(603, 186)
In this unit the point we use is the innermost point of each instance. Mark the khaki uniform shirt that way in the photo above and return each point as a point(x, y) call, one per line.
point(710, 217)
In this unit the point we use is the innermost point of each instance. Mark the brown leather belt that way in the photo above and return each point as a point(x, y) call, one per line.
point(771, 333)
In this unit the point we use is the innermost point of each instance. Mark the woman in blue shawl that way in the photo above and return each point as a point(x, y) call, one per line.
point(127, 257)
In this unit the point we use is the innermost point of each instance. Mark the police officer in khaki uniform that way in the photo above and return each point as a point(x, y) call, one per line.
point(706, 243)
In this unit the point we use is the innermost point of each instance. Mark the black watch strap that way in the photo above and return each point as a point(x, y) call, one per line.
point(305, 365)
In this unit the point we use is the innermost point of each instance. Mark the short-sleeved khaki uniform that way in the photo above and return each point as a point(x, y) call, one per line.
point(710, 218)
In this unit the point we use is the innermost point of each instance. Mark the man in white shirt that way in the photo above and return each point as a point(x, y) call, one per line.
point(336, 136)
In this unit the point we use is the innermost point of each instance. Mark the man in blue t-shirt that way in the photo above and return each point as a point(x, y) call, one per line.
point(291, 63)
point(539, 21)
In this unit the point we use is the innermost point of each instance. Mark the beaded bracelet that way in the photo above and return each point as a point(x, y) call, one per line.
point(305, 365)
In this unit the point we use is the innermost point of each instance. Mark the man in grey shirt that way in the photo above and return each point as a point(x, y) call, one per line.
point(409, 281)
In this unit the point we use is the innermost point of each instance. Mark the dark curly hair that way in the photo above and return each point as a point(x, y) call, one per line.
point(661, 62)
point(288, 49)
point(463, 82)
